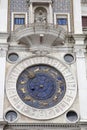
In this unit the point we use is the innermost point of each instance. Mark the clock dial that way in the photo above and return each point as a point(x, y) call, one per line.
point(41, 86)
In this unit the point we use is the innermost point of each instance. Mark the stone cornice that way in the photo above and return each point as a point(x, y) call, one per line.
point(76, 126)
point(41, 1)
point(4, 46)
point(40, 49)
point(65, 125)
point(79, 37)
point(38, 1)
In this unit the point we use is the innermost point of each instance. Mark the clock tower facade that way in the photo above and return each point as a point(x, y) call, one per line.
point(43, 64)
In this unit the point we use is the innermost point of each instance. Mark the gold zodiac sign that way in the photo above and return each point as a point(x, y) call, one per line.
point(31, 75)
point(54, 73)
point(41, 86)
point(59, 91)
point(59, 83)
point(46, 70)
point(23, 82)
point(44, 103)
point(55, 98)
point(27, 98)
point(36, 70)
point(23, 90)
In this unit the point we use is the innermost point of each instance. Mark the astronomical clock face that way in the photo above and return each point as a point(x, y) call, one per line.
point(41, 88)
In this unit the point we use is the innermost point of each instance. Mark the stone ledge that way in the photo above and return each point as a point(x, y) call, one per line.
point(4, 35)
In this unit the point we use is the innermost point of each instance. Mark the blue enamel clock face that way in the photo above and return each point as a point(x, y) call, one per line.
point(41, 86)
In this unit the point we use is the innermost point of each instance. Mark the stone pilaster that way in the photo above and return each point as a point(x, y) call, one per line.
point(31, 14)
point(3, 15)
point(50, 13)
point(77, 16)
point(81, 75)
point(3, 51)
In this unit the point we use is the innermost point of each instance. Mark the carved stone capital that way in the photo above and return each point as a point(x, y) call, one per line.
point(3, 50)
point(80, 50)
point(2, 53)
point(79, 37)
point(2, 124)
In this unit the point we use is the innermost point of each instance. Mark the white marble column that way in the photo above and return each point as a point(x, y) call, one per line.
point(77, 16)
point(50, 13)
point(2, 80)
point(3, 15)
point(31, 14)
point(81, 77)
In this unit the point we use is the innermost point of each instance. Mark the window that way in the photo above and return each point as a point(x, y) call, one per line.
point(84, 21)
point(62, 21)
point(69, 58)
point(13, 57)
point(19, 21)
point(11, 116)
point(72, 116)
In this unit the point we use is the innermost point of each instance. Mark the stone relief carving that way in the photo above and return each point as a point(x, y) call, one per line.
point(40, 15)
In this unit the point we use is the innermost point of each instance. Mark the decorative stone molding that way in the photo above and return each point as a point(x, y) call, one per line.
point(67, 48)
point(40, 52)
point(4, 35)
point(40, 1)
point(45, 125)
